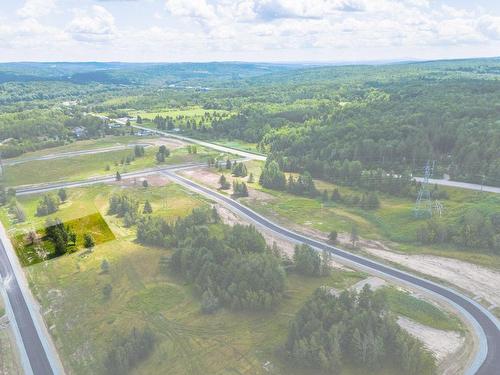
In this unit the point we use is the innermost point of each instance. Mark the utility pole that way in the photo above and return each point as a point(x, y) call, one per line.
point(423, 204)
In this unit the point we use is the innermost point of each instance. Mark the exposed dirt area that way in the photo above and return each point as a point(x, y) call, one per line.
point(153, 180)
point(441, 343)
point(170, 143)
point(374, 283)
point(210, 178)
point(480, 281)
point(286, 247)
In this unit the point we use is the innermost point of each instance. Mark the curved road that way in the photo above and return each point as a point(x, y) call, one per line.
point(486, 326)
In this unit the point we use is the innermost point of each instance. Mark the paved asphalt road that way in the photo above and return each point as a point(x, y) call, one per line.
point(462, 185)
point(40, 188)
point(487, 361)
point(62, 155)
point(33, 346)
point(214, 146)
point(250, 155)
point(35, 351)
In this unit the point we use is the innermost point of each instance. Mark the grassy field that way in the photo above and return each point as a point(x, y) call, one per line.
point(83, 321)
point(93, 224)
point(393, 221)
point(403, 303)
point(85, 166)
point(87, 144)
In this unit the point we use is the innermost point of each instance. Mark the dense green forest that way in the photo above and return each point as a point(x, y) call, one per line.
point(330, 331)
point(230, 266)
point(390, 118)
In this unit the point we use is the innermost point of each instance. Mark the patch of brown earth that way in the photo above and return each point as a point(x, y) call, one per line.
point(210, 178)
point(480, 281)
point(153, 180)
point(441, 343)
point(170, 143)
point(287, 247)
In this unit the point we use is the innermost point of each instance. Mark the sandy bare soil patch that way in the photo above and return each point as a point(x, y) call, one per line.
point(210, 178)
point(287, 247)
point(170, 143)
point(374, 283)
point(441, 343)
point(153, 180)
point(480, 281)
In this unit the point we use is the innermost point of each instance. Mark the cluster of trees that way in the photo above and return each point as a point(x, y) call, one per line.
point(189, 123)
point(139, 151)
point(48, 205)
point(235, 269)
point(162, 154)
point(330, 331)
point(62, 236)
point(302, 185)
point(473, 230)
point(127, 351)
point(239, 170)
point(272, 176)
point(240, 189)
point(124, 206)
point(309, 262)
point(162, 123)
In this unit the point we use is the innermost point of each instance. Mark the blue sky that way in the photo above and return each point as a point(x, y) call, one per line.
point(247, 30)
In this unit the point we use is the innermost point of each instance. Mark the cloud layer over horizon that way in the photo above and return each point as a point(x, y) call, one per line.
point(252, 30)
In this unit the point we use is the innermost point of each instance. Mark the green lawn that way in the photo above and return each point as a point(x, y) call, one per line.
point(93, 224)
point(85, 166)
point(70, 291)
point(403, 303)
point(87, 144)
point(392, 221)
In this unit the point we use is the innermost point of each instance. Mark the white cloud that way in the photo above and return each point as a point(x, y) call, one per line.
point(94, 25)
point(490, 26)
point(36, 8)
point(193, 8)
point(301, 28)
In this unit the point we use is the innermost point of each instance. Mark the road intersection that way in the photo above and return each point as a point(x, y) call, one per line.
point(36, 341)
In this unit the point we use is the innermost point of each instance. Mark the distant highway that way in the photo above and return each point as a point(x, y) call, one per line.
point(461, 185)
point(214, 146)
point(62, 155)
point(486, 326)
point(41, 188)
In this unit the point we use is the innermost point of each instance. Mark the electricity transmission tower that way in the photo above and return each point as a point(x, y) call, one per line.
point(423, 205)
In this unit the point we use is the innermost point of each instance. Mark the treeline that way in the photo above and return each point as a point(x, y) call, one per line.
point(186, 122)
point(272, 177)
point(332, 331)
point(472, 230)
point(233, 269)
point(399, 129)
